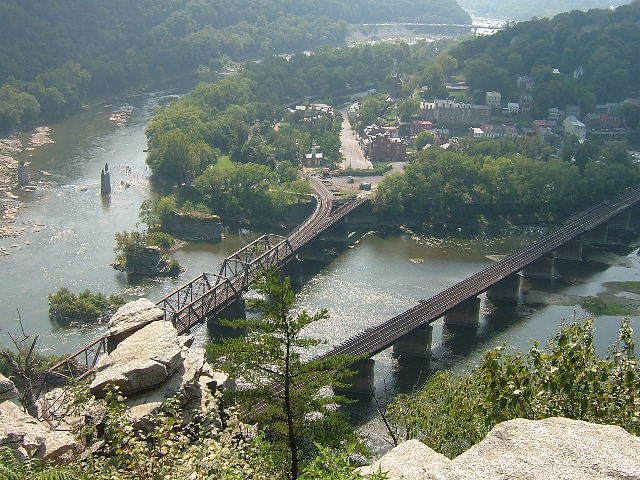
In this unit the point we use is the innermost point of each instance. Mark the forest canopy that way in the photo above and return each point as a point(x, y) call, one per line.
point(117, 44)
point(594, 52)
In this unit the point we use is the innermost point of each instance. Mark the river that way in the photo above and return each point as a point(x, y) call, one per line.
point(69, 242)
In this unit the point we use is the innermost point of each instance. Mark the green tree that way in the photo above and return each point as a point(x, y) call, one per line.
point(408, 108)
point(423, 139)
point(269, 360)
point(567, 379)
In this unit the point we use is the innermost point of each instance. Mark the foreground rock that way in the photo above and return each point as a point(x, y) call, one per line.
point(8, 390)
point(554, 448)
point(130, 318)
point(141, 361)
point(30, 437)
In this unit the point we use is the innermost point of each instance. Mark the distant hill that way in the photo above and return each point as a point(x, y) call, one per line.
point(596, 54)
point(521, 10)
point(54, 52)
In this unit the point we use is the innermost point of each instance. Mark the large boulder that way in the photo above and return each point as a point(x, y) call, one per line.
point(130, 318)
point(141, 361)
point(183, 383)
point(519, 449)
point(8, 390)
point(409, 460)
point(31, 437)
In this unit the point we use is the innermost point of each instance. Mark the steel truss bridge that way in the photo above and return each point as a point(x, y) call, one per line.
point(210, 293)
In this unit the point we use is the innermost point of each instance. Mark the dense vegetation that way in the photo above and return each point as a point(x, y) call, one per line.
point(239, 148)
point(567, 379)
point(477, 182)
point(603, 42)
point(66, 307)
point(517, 10)
point(53, 55)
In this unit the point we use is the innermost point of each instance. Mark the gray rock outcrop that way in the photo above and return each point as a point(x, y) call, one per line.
point(31, 437)
point(553, 448)
point(8, 390)
point(130, 318)
point(140, 362)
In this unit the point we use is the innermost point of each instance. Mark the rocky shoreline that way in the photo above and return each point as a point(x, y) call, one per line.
point(10, 202)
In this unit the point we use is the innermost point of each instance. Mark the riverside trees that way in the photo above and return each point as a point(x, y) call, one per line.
point(488, 181)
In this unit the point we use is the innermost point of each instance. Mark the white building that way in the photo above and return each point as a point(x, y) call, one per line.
point(573, 126)
point(476, 132)
point(513, 108)
point(494, 99)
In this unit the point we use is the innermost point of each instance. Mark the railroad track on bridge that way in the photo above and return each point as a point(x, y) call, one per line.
point(377, 339)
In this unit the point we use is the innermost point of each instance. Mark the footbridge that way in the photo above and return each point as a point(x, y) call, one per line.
point(209, 294)
point(410, 332)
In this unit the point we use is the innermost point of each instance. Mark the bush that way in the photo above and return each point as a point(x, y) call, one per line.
point(160, 239)
point(65, 306)
point(568, 379)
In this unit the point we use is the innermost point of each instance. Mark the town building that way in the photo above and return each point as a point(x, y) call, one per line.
point(419, 126)
point(526, 103)
point(513, 108)
point(525, 82)
point(451, 112)
point(493, 99)
point(384, 148)
point(314, 159)
point(491, 130)
point(573, 126)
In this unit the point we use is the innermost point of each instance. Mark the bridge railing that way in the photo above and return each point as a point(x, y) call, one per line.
point(228, 289)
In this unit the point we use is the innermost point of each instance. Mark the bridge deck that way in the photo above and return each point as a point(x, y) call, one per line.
point(377, 339)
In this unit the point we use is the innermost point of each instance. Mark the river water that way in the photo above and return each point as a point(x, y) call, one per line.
point(69, 242)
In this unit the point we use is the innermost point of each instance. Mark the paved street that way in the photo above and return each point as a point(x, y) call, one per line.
point(353, 155)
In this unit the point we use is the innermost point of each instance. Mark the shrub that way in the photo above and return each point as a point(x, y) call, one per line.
point(65, 306)
point(160, 239)
point(568, 379)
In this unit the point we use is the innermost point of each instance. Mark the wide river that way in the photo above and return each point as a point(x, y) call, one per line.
point(69, 240)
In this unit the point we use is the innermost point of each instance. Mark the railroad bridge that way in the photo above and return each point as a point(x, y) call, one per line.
point(209, 294)
point(409, 334)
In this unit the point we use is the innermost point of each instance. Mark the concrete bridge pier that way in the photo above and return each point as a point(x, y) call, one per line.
point(622, 221)
point(362, 382)
point(572, 250)
point(543, 268)
point(465, 314)
point(506, 290)
point(415, 344)
point(600, 234)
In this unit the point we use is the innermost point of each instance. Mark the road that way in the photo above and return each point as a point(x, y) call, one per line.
point(353, 155)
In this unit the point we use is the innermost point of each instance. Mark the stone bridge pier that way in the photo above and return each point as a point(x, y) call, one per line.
point(543, 268)
point(415, 344)
point(465, 314)
point(236, 311)
point(506, 290)
point(621, 222)
point(599, 235)
point(362, 382)
point(572, 250)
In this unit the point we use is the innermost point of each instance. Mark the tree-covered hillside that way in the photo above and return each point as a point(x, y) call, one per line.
point(595, 52)
point(108, 45)
point(518, 10)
